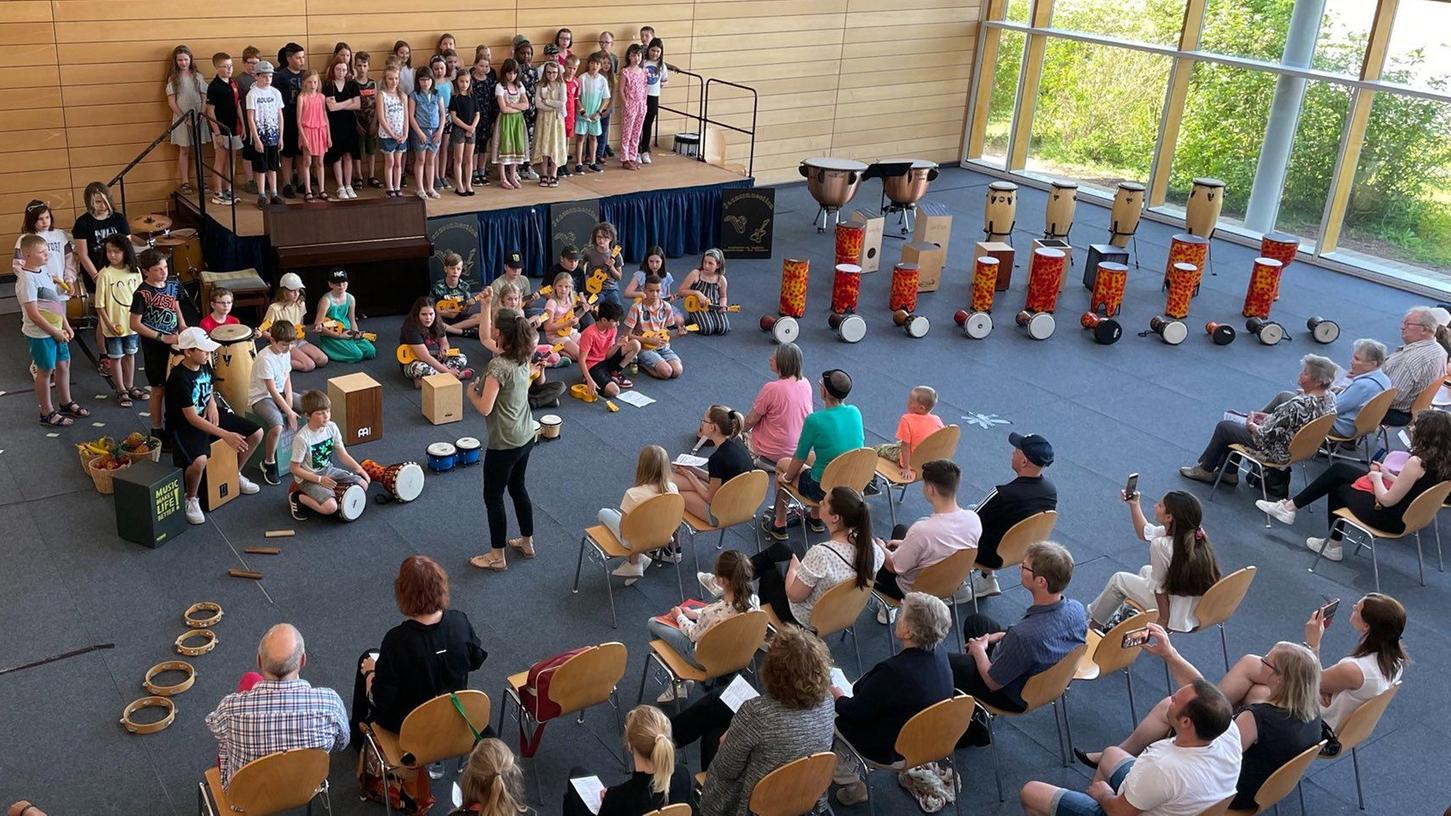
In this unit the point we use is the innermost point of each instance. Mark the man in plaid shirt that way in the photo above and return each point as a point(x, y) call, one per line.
point(279, 713)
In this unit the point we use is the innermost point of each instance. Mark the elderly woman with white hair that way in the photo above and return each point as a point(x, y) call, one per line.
point(1362, 382)
point(1269, 434)
point(895, 690)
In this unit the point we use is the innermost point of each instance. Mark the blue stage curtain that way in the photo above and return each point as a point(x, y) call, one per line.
point(525, 229)
point(683, 222)
point(225, 252)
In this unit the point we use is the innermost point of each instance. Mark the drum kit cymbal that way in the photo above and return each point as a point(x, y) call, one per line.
point(154, 230)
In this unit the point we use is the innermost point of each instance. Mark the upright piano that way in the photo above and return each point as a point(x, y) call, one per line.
point(382, 242)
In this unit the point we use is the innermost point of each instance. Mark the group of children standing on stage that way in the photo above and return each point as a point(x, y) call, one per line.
point(294, 125)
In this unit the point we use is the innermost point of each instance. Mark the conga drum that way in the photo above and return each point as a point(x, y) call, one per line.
point(1182, 279)
point(1206, 199)
point(1062, 201)
point(903, 295)
point(352, 500)
point(1281, 247)
point(234, 363)
point(1128, 208)
point(984, 281)
point(849, 240)
point(1264, 281)
point(1002, 211)
point(794, 273)
point(1190, 249)
point(846, 286)
point(1045, 277)
point(1108, 288)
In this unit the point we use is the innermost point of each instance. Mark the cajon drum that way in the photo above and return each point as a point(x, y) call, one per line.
point(219, 480)
point(874, 226)
point(443, 398)
point(1097, 254)
point(1004, 253)
point(149, 498)
point(934, 224)
point(929, 259)
point(357, 406)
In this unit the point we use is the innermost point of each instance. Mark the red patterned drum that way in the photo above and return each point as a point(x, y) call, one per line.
point(1045, 278)
point(849, 240)
point(904, 288)
point(1264, 282)
point(984, 280)
point(794, 273)
point(1190, 249)
point(1108, 288)
point(845, 288)
point(1279, 246)
point(1183, 277)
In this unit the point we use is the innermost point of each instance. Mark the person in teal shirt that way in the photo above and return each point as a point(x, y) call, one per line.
point(830, 432)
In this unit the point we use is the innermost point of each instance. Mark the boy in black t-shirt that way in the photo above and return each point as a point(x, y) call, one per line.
point(156, 316)
point(224, 112)
point(288, 80)
point(195, 419)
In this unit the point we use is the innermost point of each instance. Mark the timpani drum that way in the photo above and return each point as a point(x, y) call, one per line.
point(1001, 212)
point(234, 363)
point(1040, 325)
point(1108, 288)
point(1182, 279)
point(794, 274)
point(984, 282)
point(1128, 208)
point(846, 287)
point(1281, 247)
point(783, 328)
point(849, 328)
point(469, 450)
point(832, 182)
point(976, 325)
point(1190, 249)
point(352, 501)
point(1206, 199)
point(1045, 278)
point(1264, 282)
point(849, 240)
point(1172, 332)
point(1062, 201)
point(903, 294)
point(442, 457)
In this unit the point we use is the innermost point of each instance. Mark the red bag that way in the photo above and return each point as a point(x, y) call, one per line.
point(1363, 484)
point(534, 697)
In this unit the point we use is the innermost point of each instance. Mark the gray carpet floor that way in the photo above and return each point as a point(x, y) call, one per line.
point(1140, 405)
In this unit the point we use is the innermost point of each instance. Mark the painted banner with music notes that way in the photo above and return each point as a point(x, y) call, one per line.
point(570, 224)
point(456, 233)
point(748, 220)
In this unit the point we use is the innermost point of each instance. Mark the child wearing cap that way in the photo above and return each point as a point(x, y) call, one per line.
point(513, 276)
point(339, 334)
point(195, 419)
point(156, 316)
point(264, 124)
point(289, 305)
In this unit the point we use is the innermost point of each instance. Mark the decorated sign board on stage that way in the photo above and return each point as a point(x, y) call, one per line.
point(748, 219)
point(459, 234)
point(149, 499)
point(357, 404)
point(570, 224)
point(443, 398)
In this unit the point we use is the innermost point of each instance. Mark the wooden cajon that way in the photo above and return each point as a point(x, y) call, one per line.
point(1097, 254)
point(443, 398)
point(929, 259)
point(934, 224)
point(357, 405)
point(874, 226)
point(1004, 253)
point(221, 476)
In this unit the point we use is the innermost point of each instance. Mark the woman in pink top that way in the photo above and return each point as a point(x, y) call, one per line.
point(781, 407)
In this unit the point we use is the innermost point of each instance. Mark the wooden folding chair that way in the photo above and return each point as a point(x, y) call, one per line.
point(434, 731)
point(677, 809)
point(835, 611)
point(1016, 541)
point(854, 469)
point(940, 444)
point(1043, 688)
point(1303, 446)
point(1358, 727)
point(930, 736)
point(940, 580)
point(725, 648)
point(794, 788)
point(1368, 423)
point(736, 502)
point(648, 528)
point(1218, 604)
point(1421, 513)
point(266, 785)
point(1285, 779)
point(1106, 654)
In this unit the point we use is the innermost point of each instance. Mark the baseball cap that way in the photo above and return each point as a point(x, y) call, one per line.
point(514, 260)
point(264, 67)
point(551, 50)
point(570, 253)
point(337, 275)
point(195, 338)
point(290, 281)
point(519, 41)
point(837, 382)
point(1034, 447)
point(1443, 317)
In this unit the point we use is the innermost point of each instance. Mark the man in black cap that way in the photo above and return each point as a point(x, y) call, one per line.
point(829, 432)
point(1009, 504)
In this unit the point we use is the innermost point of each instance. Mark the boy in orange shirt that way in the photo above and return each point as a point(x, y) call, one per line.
point(916, 425)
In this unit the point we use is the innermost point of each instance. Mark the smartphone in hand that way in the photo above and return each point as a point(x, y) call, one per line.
point(1327, 612)
point(1135, 637)
point(1131, 487)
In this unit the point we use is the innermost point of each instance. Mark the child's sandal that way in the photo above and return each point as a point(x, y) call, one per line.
point(75, 409)
point(123, 399)
point(374, 182)
point(308, 197)
point(140, 393)
point(55, 420)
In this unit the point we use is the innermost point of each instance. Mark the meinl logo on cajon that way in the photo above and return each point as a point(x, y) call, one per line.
point(357, 406)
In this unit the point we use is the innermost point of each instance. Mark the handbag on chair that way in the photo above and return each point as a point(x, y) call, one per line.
point(534, 698)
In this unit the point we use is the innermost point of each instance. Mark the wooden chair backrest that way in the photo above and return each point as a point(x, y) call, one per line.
point(589, 677)
point(940, 444)
point(1049, 684)
point(853, 469)
point(944, 577)
point(1219, 603)
point(1285, 778)
point(677, 809)
point(728, 646)
point(793, 788)
point(1423, 508)
point(435, 731)
point(1373, 412)
point(277, 782)
point(1423, 400)
point(1015, 542)
point(737, 500)
point(839, 607)
point(1358, 727)
point(1309, 438)
point(1110, 654)
point(933, 732)
point(651, 524)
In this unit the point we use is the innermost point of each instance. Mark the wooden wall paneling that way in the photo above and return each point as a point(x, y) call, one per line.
point(32, 120)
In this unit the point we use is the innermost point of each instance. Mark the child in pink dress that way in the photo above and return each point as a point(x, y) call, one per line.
point(315, 135)
point(632, 89)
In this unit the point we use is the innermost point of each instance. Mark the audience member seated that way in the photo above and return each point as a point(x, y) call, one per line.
point(656, 782)
point(825, 435)
point(1367, 378)
point(730, 586)
point(894, 691)
point(1276, 721)
point(720, 426)
point(1182, 775)
point(1371, 667)
point(916, 424)
point(281, 712)
point(1377, 498)
point(1181, 568)
point(791, 718)
point(491, 782)
point(1000, 660)
point(1418, 363)
point(850, 554)
point(773, 425)
point(1028, 494)
point(932, 538)
point(1268, 435)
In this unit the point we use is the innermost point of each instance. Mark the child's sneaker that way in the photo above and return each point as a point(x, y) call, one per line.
point(579, 170)
point(645, 157)
point(251, 187)
point(247, 486)
point(261, 202)
point(287, 191)
point(295, 505)
point(269, 473)
point(194, 511)
point(595, 167)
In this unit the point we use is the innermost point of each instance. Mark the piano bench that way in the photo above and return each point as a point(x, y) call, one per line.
point(246, 286)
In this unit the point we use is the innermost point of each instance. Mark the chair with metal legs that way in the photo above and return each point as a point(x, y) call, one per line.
point(648, 528)
point(1015, 542)
point(1420, 514)
point(442, 728)
point(735, 502)
point(835, 611)
point(1358, 727)
point(1106, 654)
point(931, 735)
point(1367, 425)
point(854, 469)
point(271, 784)
point(939, 580)
point(1043, 688)
point(725, 648)
point(1279, 784)
point(940, 444)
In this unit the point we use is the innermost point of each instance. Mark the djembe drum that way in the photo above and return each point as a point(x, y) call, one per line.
point(1206, 199)
point(1002, 211)
point(849, 241)
point(1190, 249)
point(1108, 288)
point(1106, 330)
point(1062, 201)
point(1128, 208)
point(1264, 282)
point(794, 274)
point(1172, 332)
point(1045, 276)
point(1183, 277)
point(1281, 247)
point(403, 481)
point(903, 295)
point(846, 286)
point(984, 282)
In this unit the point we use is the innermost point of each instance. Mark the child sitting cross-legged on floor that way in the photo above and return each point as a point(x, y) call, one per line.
point(916, 425)
point(602, 356)
point(314, 476)
point(423, 336)
point(652, 478)
point(650, 322)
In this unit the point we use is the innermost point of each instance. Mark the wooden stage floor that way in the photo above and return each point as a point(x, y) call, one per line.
point(669, 172)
